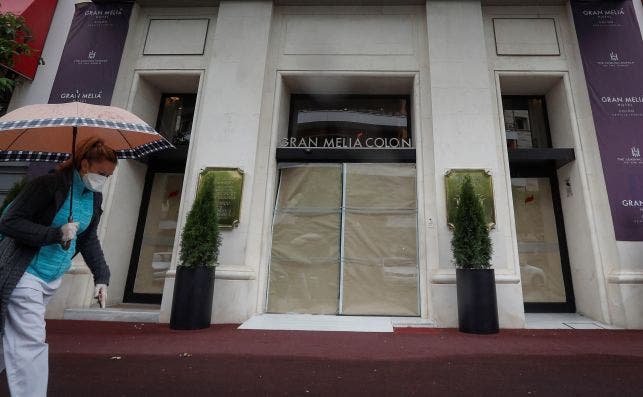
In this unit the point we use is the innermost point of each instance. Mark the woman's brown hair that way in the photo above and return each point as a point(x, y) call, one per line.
point(91, 149)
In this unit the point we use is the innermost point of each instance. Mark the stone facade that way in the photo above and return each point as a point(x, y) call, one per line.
point(453, 58)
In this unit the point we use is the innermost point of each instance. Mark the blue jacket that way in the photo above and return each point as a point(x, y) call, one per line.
point(26, 227)
point(52, 261)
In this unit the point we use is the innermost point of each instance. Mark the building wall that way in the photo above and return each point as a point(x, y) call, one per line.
point(227, 134)
point(606, 274)
point(550, 66)
point(625, 272)
point(150, 68)
point(447, 55)
point(349, 50)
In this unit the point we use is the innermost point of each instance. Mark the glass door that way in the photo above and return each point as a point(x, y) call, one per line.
point(542, 249)
point(540, 230)
point(379, 267)
point(157, 242)
point(304, 267)
point(156, 229)
point(345, 240)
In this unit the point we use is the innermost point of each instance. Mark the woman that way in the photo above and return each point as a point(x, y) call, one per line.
point(33, 257)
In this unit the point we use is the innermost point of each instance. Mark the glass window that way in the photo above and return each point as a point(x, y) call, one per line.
point(350, 117)
point(525, 122)
point(175, 117)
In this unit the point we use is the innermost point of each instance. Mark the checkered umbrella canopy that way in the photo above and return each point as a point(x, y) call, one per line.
point(45, 132)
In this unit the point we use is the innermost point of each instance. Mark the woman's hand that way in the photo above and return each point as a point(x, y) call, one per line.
point(69, 231)
point(100, 293)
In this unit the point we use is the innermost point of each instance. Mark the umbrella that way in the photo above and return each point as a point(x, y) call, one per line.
point(49, 132)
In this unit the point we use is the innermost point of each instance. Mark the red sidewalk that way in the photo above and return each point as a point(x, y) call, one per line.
point(127, 359)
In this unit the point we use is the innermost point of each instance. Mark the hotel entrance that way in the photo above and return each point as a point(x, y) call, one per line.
point(344, 236)
point(542, 247)
point(157, 221)
point(540, 231)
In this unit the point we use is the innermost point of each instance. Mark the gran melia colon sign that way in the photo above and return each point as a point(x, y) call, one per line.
point(347, 143)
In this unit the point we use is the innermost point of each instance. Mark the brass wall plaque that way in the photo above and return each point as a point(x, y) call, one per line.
point(228, 192)
point(483, 186)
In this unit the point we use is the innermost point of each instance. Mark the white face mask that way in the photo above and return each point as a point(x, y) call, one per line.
point(94, 182)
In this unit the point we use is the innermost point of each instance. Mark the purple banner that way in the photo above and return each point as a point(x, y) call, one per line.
point(612, 52)
point(92, 54)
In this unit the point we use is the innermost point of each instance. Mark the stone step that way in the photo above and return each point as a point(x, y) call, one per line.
point(134, 314)
point(312, 322)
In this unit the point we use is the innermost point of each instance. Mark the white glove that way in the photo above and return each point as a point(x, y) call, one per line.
point(69, 231)
point(100, 293)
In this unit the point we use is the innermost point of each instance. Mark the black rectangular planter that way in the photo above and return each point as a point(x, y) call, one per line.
point(477, 304)
point(192, 299)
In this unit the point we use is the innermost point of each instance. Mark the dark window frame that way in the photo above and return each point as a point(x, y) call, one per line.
point(167, 161)
point(520, 102)
point(295, 98)
point(334, 155)
point(548, 170)
point(543, 163)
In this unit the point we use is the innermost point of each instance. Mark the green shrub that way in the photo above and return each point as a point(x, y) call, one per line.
point(14, 36)
point(13, 193)
point(470, 243)
point(201, 239)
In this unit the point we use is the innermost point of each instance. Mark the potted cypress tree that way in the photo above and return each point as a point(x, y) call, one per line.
point(13, 193)
point(475, 280)
point(200, 241)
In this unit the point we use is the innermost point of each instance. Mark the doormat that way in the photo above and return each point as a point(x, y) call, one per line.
point(313, 322)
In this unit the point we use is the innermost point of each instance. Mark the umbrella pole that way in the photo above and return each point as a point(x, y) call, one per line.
point(67, 244)
point(73, 165)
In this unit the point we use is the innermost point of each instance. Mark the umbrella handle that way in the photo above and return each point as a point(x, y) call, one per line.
point(66, 244)
point(70, 219)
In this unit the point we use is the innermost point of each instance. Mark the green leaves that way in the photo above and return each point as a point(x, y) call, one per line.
point(13, 193)
point(201, 239)
point(14, 36)
point(470, 243)
point(6, 84)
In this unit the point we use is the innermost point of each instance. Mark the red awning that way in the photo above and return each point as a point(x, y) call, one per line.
point(38, 15)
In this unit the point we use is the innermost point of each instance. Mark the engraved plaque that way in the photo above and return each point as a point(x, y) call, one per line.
point(228, 191)
point(483, 186)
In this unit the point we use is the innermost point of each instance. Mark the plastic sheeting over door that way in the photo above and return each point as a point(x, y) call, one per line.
point(380, 240)
point(345, 240)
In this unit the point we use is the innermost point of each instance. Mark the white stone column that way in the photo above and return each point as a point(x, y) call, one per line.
point(625, 280)
point(225, 135)
point(466, 135)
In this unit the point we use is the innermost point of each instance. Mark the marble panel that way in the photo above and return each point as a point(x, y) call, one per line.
point(74, 291)
point(176, 37)
point(443, 303)
point(123, 198)
point(632, 295)
point(511, 311)
point(349, 34)
point(526, 36)
point(444, 309)
point(455, 31)
point(459, 74)
point(631, 254)
point(233, 301)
